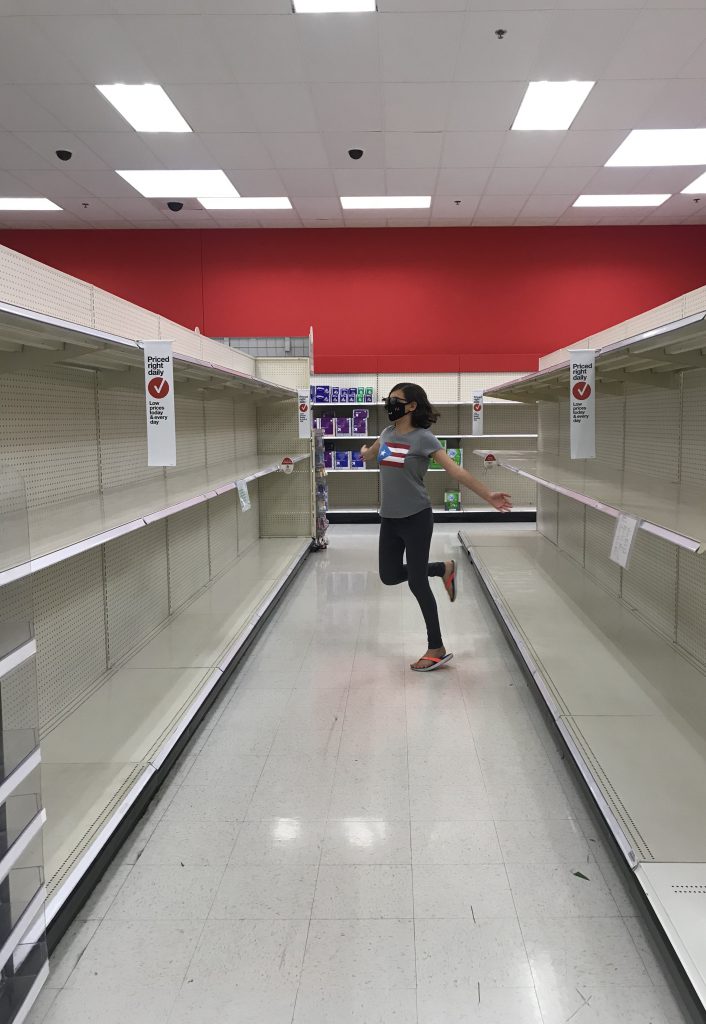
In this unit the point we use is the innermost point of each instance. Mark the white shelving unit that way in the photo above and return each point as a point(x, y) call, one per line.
point(619, 655)
point(145, 583)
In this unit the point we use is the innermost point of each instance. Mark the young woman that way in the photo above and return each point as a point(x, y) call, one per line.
point(403, 451)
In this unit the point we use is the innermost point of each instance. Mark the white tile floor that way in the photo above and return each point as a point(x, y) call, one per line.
point(348, 843)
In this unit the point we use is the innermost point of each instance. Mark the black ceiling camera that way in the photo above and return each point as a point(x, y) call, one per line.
point(501, 33)
point(175, 206)
point(64, 154)
point(355, 154)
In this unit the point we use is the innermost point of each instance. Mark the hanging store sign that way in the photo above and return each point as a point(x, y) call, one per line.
point(624, 539)
point(287, 465)
point(304, 412)
point(490, 461)
point(159, 399)
point(582, 403)
point(477, 421)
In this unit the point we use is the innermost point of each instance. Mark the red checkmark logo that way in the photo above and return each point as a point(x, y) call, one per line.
point(158, 387)
point(581, 391)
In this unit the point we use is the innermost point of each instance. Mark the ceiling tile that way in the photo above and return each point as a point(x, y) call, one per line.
point(580, 44)
point(241, 149)
point(16, 154)
point(47, 143)
point(12, 185)
point(616, 104)
point(280, 108)
point(96, 211)
point(52, 184)
point(317, 183)
point(97, 46)
point(460, 206)
point(419, 47)
point(314, 209)
point(493, 221)
point(546, 206)
point(580, 216)
point(372, 143)
point(133, 207)
point(104, 184)
point(512, 181)
point(258, 48)
point(27, 55)
point(78, 108)
point(660, 44)
point(485, 58)
point(484, 106)
point(609, 180)
point(413, 149)
point(19, 112)
point(564, 181)
point(407, 221)
point(529, 149)
point(213, 108)
point(460, 181)
point(296, 149)
point(472, 149)
point(348, 106)
point(423, 6)
point(410, 182)
point(178, 49)
point(500, 206)
point(666, 179)
point(360, 183)
point(412, 107)
point(587, 149)
point(178, 151)
point(124, 150)
point(257, 183)
point(680, 103)
point(451, 222)
point(340, 47)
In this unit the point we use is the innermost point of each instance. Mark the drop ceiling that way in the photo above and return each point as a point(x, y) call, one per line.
point(276, 100)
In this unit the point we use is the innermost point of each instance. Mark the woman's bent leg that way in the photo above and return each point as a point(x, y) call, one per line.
point(391, 553)
point(416, 532)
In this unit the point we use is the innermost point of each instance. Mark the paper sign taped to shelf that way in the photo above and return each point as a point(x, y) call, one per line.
point(477, 421)
point(304, 412)
point(244, 495)
point(287, 465)
point(582, 403)
point(159, 398)
point(624, 539)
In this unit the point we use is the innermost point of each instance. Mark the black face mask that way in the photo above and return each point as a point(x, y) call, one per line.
point(395, 409)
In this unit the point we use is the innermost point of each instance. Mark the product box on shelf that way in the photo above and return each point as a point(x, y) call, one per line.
point(456, 455)
point(452, 501)
point(329, 459)
point(360, 421)
point(343, 426)
point(322, 394)
point(343, 460)
point(317, 423)
point(327, 425)
point(357, 461)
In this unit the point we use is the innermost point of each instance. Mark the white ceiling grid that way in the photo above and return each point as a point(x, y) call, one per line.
point(276, 100)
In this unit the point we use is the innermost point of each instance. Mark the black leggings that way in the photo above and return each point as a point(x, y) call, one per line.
point(413, 536)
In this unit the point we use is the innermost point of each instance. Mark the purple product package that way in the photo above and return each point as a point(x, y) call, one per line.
point(343, 426)
point(343, 460)
point(357, 461)
point(360, 421)
point(327, 425)
point(329, 459)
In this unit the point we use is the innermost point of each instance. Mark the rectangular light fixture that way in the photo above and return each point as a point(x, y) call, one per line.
point(385, 202)
point(661, 147)
point(625, 200)
point(333, 6)
point(249, 203)
point(697, 187)
point(551, 106)
point(146, 107)
point(17, 203)
point(180, 184)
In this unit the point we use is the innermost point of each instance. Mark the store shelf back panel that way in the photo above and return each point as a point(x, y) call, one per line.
point(185, 341)
point(652, 430)
point(359, 490)
point(187, 538)
point(600, 530)
point(219, 415)
point(548, 428)
point(292, 373)
point(284, 511)
point(117, 316)
point(691, 605)
point(503, 418)
point(440, 387)
point(123, 439)
point(548, 514)
point(136, 588)
point(32, 285)
point(249, 522)
point(245, 430)
point(190, 433)
point(610, 429)
point(572, 529)
point(222, 531)
point(693, 429)
point(650, 583)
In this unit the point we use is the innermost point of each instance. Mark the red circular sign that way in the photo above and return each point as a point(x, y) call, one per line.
point(581, 391)
point(303, 407)
point(490, 458)
point(477, 407)
point(158, 387)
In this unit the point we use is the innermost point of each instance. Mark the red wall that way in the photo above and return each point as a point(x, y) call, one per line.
point(391, 299)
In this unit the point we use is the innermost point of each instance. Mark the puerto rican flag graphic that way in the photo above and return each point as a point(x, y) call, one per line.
point(393, 454)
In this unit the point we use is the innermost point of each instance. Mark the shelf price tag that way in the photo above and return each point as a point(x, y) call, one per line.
point(477, 421)
point(244, 495)
point(582, 403)
point(159, 399)
point(624, 540)
point(304, 412)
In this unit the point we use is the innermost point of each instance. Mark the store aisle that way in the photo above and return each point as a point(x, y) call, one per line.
point(349, 843)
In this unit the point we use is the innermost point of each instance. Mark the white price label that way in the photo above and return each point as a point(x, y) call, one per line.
point(624, 539)
point(159, 399)
point(244, 495)
point(477, 419)
point(582, 403)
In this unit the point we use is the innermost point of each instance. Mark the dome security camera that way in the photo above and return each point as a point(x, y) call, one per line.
point(174, 205)
point(355, 154)
point(64, 154)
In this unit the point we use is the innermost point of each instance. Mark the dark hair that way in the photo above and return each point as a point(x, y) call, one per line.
point(423, 415)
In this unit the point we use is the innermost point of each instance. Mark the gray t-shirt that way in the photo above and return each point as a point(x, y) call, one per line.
point(403, 460)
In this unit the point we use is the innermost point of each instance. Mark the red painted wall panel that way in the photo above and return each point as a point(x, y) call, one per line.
point(478, 299)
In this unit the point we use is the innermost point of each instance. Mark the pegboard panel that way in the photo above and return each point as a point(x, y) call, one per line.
point(245, 429)
point(291, 373)
point(285, 504)
point(693, 429)
point(190, 433)
point(652, 430)
point(470, 383)
point(69, 622)
point(116, 316)
point(610, 429)
point(523, 491)
point(187, 539)
point(548, 514)
point(48, 432)
point(136, 588)
point(691, 605)
point(223, 531)
point(32, 285)
point(277, 430)
point(185, 342)
point(19, 698)
point(123, 436)
point(564, 430)
point(224, 355)
point(650, 583)
point(440, 387)
point(548, 428)
point(220, 430)
point(508, 418)
point(694, 302)
point(249, 522)
point(359, 490)
point(448, 424)
point(600, 529)
point(572, 528)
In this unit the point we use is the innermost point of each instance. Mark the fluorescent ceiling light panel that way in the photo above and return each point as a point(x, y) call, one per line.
point(16, 203)
point(146, 107)
point(625, 200)
point(697, 187)
point(180, 184)
point(333, 6)
point(250, 203)
point(385, 202)
point(661, 147)
point(551, 106)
